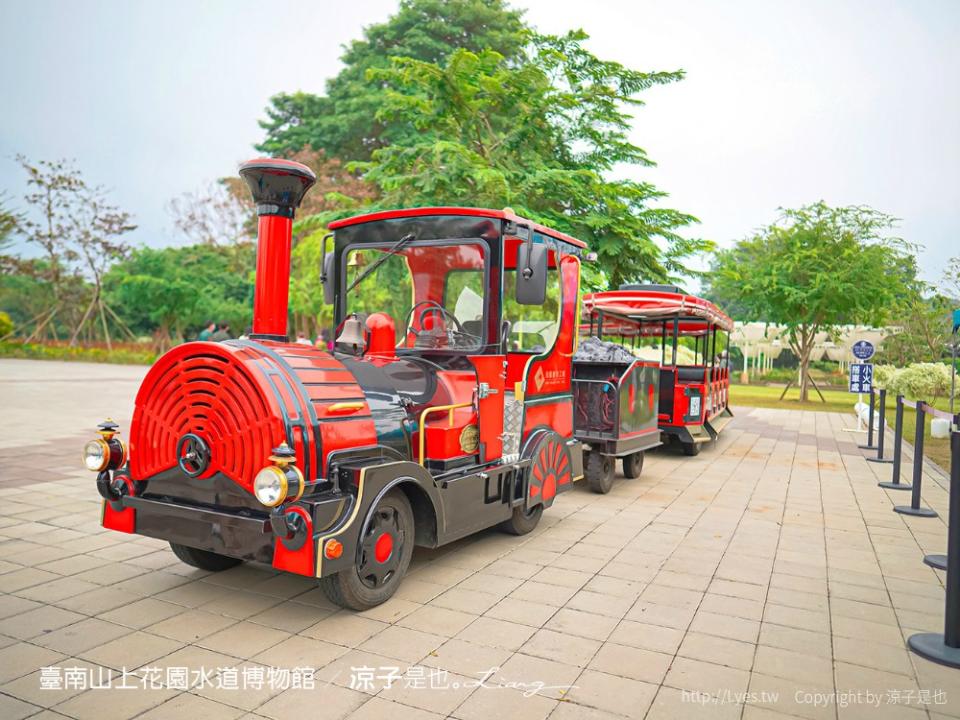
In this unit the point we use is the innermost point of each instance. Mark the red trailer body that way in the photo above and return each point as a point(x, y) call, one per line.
point(693, 404)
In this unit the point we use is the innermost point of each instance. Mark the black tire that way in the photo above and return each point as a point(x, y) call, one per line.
point(204, 559)
point(372, 580)
point(598, 471)
point(690, 449)
point(522, 521)
point(633, 465)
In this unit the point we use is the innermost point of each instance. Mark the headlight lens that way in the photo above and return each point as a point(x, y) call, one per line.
point(96, 455)
point(270, 486)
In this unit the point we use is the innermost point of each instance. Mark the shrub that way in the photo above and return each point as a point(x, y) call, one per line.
point(884, 376)
point(922, 381)
point(6, 324)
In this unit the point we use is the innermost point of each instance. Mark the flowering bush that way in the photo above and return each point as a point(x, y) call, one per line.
point(921, 381)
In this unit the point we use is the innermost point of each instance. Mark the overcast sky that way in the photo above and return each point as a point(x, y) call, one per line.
point(784, 103)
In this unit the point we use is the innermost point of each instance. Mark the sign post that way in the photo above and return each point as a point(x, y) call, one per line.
point(861, 376)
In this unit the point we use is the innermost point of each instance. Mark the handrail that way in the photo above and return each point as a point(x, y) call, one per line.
point(423, 422)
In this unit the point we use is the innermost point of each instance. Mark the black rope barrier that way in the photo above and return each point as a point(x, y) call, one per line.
point(945, 648)
point(895, 483)
point(914, 507)
point(881, 430)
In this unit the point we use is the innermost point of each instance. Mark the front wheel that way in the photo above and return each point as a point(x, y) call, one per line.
point(382, 558)
point(633, 465)
point(598, 471)
point(522, 521)
point(204, 559)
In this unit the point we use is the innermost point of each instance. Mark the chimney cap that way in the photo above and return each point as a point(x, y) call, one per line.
point(277, 185)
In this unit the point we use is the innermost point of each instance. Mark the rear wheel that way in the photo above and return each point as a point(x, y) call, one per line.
point(598, 471)
point(690, 448)
point(522, 521)
point(382, 560)
point(633, 465)
point(204, 559)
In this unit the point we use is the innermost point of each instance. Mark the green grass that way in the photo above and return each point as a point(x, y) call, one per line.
point(936, 449)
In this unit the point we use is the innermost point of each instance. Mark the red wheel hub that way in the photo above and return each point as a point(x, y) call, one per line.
point(383, 548)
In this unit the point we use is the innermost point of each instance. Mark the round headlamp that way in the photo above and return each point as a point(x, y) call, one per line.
point(270, 486)
point(281, 481)
point(96, 455)
point(106, 452)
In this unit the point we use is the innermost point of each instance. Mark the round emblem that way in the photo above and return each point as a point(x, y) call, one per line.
point(193, 455)
point(469, 439)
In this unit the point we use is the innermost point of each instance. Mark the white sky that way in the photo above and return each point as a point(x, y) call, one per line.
point(784, 103)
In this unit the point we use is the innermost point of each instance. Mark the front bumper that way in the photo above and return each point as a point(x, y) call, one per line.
point(284, 537)
point(225, 533)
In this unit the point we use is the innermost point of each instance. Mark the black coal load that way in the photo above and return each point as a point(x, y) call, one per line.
point(595, 350)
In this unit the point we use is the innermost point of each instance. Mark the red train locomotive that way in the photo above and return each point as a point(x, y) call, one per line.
point(446, 406)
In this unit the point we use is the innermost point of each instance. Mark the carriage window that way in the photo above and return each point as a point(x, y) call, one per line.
point(533, 328)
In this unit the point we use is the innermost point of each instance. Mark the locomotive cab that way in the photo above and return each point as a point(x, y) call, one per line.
point(443, 408)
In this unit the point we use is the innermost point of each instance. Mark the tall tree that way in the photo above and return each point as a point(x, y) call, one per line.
point(170, 292)
point(343, 123)
point(817, 267)
point(924, 324)
point(542, 134)
point(79, 232)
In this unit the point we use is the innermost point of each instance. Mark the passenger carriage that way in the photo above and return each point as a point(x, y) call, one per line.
point(688, 337)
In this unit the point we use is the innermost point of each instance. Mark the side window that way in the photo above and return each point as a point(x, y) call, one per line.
point(463, 297)
point(533, 328)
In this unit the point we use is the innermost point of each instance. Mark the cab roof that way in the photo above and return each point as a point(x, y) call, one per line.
point(505, 214)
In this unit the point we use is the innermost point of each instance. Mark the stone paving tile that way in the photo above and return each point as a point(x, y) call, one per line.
point(770, 563)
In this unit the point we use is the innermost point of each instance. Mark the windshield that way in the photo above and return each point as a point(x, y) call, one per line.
point(433, 291)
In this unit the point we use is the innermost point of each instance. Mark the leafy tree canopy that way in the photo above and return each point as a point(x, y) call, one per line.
point(817, 267)
point(175, 291)
point(343, 123)
point(541, 134)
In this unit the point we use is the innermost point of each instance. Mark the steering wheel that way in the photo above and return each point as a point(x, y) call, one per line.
point(429, 307)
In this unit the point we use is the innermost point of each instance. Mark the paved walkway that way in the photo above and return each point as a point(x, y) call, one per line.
point(766, 578)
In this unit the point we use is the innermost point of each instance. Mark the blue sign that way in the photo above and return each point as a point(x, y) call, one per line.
point(956, 320)
point(861, 377)
point(863, 350)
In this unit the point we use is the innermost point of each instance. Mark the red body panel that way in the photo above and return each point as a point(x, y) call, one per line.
point(301, 561)
point(490, 370)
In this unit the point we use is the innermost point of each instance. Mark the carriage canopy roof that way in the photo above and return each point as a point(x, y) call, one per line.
point(634, 309)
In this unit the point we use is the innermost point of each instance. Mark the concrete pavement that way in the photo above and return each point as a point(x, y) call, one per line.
point(766, 578)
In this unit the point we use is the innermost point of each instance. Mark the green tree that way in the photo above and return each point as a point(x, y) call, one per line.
point(343, 122)
point(542, 134)
point(171, 292)
point(924, 330)
point(814, 268)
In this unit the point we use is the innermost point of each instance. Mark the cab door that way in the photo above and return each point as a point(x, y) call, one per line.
point(491, 379)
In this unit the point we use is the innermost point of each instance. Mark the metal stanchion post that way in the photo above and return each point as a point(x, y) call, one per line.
point(881, 431)
point(914, 507)
point(870, 445)
point(938, 561)
point(945, 648)
point(895, 483)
